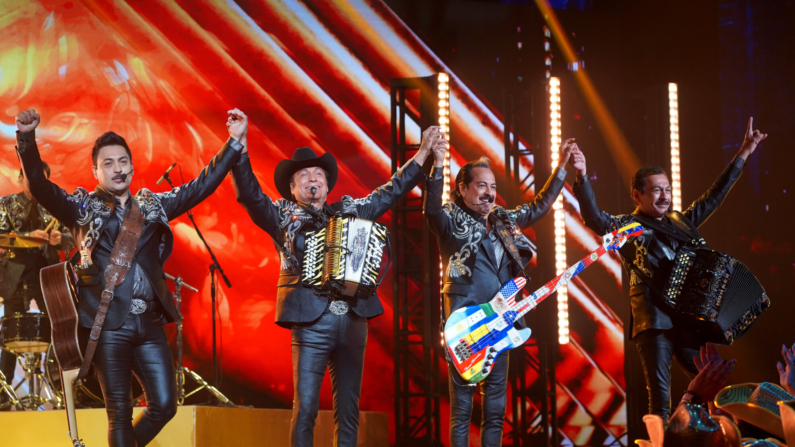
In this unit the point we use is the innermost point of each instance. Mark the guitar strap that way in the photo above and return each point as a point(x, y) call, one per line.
point(120, 261)
point(510, 244)
point(671, 230)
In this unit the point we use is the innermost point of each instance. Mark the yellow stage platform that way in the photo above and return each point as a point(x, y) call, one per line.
point(191, 427)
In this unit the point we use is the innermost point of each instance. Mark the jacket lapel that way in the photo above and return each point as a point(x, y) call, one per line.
point(489, 249)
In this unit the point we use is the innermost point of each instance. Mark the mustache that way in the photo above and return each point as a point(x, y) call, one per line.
point(123, 177)
point(662, 202)
point(486, 198)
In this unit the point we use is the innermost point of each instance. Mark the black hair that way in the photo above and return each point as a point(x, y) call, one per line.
point(44, 166)
point(465, 176)
point(639, 179)
point(109, 139)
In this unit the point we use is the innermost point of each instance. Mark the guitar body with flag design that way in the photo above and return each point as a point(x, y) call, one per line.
point(476, 335)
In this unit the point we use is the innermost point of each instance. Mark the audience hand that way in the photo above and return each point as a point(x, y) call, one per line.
point(787, 373)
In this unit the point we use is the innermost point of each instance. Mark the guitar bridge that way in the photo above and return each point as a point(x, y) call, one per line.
point(462, 351)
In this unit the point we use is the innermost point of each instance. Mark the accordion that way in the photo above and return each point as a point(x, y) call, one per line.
point(344, 258)
point(713, 293)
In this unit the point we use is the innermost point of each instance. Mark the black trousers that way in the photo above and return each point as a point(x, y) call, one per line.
point(657, 348)
point(337, 342)
point(12, 305)
point(139, 347)
point(493, 397)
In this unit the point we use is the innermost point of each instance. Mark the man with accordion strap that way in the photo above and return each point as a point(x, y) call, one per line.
point(658, 333)
point(132, 339)
point(327, 328)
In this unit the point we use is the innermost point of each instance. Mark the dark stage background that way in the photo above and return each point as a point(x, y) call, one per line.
point(317, 73)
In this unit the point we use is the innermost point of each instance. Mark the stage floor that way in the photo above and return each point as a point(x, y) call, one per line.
point(191, 427)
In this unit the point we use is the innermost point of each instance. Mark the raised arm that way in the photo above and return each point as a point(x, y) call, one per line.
point(598, 221)
point(385, 197)
point(180, 200)
point(700, 210)
point(531, 213)
point(262, 210)
point(61, 205)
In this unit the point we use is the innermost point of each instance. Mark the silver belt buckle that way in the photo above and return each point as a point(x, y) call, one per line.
point(138, 306)
point(338, 307)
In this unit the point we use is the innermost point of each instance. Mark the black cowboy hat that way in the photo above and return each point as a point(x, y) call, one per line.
point(303, 157)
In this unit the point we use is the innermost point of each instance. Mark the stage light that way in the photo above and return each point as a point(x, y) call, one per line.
point(559, 212)
point(444, 124)
point(676, 173)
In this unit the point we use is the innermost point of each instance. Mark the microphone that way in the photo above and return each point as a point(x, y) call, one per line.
point(313, 190)
point(490, 199)
point(165, 176)
point(124, 176)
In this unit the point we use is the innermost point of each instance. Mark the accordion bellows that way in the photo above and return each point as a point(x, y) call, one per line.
point(344, 258)
point(714, 293)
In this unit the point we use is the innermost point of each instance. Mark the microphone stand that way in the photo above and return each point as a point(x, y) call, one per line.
point(215, 266)
point(182, 370)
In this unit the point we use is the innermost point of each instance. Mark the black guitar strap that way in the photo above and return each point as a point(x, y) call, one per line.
point(672, 230)
point(509, 244)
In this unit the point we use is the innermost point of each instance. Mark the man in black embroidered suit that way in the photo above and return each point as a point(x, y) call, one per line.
point(657, 336)
point(325, 332)
point(19, 268)
point(133, 340)
point(482, 247)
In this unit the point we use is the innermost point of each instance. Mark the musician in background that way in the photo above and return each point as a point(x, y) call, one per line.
point(19, 267)
point(325, 332)
point(657, 337)
point(482, 247)
point(133, 339)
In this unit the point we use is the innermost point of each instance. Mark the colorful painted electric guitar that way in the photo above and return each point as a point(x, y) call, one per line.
point(476, 335)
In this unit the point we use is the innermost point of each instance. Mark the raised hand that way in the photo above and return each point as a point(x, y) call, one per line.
point(565, 151)
point(432, 140)
point(27, 120)
point(706, 355)
point(577, 161)
point(751, 139)
point(439, 149)
point(711, 378)
point(787, 373)
point(237, 125)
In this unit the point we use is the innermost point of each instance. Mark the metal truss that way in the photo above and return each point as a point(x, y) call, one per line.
point(418, 384)
point(532, 418)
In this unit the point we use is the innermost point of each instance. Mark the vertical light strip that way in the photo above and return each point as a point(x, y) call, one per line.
point(559, 212)
point(676, 173)
point(443, 85)
point(444, 124)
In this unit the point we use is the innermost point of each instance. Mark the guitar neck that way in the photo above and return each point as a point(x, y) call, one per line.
point(611, 241)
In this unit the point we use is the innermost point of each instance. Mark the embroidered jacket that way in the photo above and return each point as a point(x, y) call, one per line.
point(87, 215)
point(14, 216)
point(286, 222)
point(650, 250)
point(461, 234)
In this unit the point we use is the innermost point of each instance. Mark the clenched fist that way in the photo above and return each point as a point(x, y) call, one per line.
point(27, 120)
